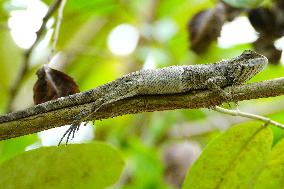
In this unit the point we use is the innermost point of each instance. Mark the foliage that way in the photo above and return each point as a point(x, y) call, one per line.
point(232, 160)
point(94, 165)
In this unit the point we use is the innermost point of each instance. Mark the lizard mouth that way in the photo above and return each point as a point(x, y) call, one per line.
point(259, 63)
point(253, 67)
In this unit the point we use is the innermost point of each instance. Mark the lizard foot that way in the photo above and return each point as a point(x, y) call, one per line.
point(71, 131)
point(74, 126)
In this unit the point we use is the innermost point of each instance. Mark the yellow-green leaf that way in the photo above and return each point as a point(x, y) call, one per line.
point(232, 160)
point(272, 176)
point(94, 165)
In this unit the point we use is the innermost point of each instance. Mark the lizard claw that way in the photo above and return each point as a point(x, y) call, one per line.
point(71, 130)
point(74, 126)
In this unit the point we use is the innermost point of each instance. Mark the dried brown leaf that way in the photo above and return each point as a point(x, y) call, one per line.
point(204, 28)
point(265, 46)
point(52, 84)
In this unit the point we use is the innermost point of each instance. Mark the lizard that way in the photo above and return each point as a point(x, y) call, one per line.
point(168, 80)
point(176, 79)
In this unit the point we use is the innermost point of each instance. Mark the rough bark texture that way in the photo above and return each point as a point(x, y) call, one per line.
point(62, 111)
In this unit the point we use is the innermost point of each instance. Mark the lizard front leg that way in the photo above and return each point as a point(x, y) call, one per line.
point(215, 83)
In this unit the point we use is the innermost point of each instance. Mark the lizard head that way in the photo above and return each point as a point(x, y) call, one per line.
point(247, 65)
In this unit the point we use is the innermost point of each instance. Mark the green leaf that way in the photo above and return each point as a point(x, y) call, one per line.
point(94, 165)
point(12, 147)
point(232, 160)
point(272, 175)
point(244, 3)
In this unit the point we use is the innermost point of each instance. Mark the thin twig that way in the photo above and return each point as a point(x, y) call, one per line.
point(248, 115)
point(27, 54)
point(57, 29)
point(185, 129)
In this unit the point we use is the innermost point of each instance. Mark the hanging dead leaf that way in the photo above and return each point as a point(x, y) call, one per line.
point(264, 20)
point(52, 84)
point(204, 28)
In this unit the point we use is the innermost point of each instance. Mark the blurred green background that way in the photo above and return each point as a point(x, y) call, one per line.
point(158, 147)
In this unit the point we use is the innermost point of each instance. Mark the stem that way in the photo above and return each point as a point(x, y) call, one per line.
point(248, 115)
point(57, 29)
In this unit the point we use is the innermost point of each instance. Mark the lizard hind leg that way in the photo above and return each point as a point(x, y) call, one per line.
point(128, 89)
point(82, 116)
point(74, 127)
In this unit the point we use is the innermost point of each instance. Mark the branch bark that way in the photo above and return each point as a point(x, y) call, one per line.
point(62, 111)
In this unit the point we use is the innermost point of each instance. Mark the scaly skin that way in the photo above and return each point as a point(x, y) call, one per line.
point(177, 79)
point(169, 80)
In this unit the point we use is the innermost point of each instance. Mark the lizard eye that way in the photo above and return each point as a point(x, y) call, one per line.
point(247, 54)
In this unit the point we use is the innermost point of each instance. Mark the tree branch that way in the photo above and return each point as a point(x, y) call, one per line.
point(62, 111)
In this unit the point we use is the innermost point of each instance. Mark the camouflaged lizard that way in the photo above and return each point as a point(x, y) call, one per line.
point(168, 80)
point(178, 79)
